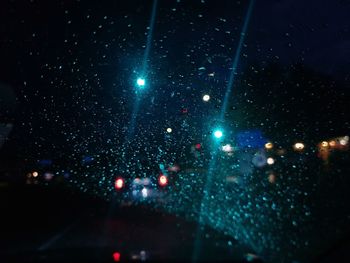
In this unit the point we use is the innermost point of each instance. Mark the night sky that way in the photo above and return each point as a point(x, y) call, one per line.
point(82, 57)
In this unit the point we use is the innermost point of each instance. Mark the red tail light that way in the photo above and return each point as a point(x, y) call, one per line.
point(119, 183)
point(163, 180)
point(116, 256)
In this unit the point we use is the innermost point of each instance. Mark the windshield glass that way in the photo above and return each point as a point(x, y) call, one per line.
point(199, 129)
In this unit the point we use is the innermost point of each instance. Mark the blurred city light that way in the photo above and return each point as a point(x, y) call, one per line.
point(332, 143)
point(163, 180)
point(169, 130)
point(140, 82)
point(146, 181)
point(198, 146)
point(119, 183)
point(206, 97)
point(144, 192)
point(339, 143)
point(48, 176)
point(143, 255)
point(270, 161)
point(344, 141)
point(218, 134)
point(116, 256)
point(324, 144)
point(227, 148)
point(268, 145)
point(299, 146)
point(35, 174)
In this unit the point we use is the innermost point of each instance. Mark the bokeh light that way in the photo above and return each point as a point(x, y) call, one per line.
point(218, 133)
point(332, 143)
point(324, 144)
point(163, 180)
point(198, 146)
point(227, 148)
point(144, 192)
point(206, 98)
point(344, 141)
point(116, 256)
point(299, 146)
point(268, 145)
point(141, 82)
point(270, 161)
point(119, 183)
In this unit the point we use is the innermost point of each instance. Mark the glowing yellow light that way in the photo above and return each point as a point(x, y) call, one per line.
point(299, 146)
point(269, 145)
point(35, 174)
point(169, 130)
point(324, 144)
point(332, 143)
point(163, 180)
point(270, 161)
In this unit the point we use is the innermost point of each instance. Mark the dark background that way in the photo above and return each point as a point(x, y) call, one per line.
point(67, 74)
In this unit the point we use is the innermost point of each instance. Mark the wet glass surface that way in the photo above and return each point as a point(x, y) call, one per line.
point(230, 115)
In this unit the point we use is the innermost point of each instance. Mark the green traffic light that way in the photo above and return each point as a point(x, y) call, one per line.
point(141, 82)
point(218, 134)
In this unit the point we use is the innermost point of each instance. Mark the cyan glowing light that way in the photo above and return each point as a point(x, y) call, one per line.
point(218, 134)
point(141, 82)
